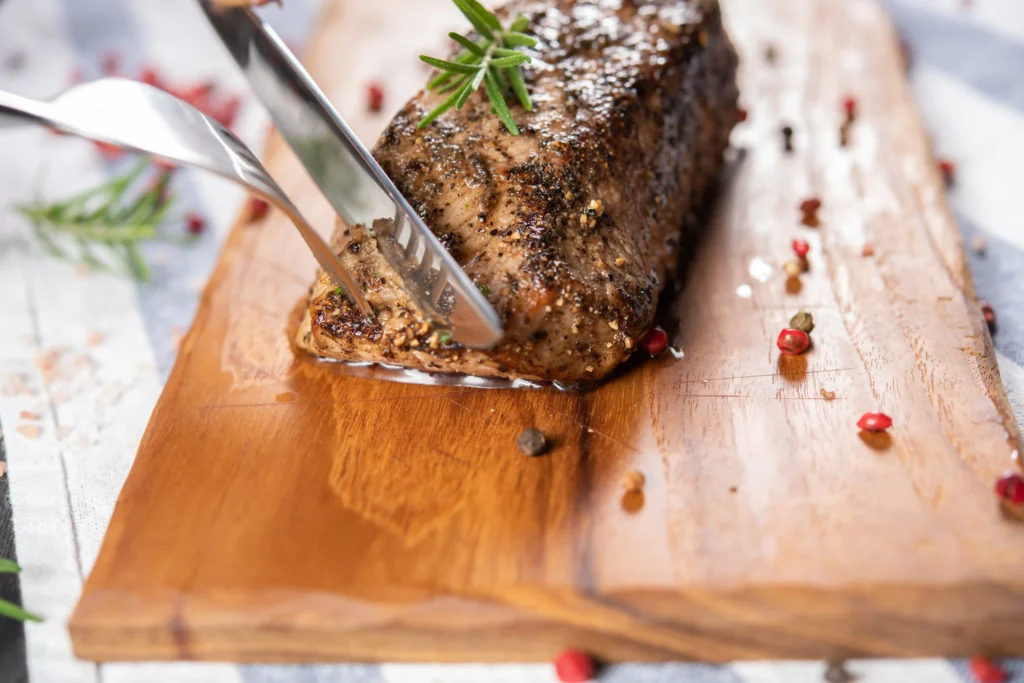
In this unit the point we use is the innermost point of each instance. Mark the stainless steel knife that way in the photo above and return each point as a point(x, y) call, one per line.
point(352, 180)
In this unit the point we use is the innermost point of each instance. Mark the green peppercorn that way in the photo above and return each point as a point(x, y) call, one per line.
point(802, 321)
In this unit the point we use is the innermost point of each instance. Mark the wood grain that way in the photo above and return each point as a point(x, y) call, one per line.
point(281, 510)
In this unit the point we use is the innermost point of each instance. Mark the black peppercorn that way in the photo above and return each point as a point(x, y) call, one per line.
point(532, 442)
point(837, 673)
point(787, 138)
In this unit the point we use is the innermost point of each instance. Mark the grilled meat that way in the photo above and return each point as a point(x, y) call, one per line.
point(570, 229)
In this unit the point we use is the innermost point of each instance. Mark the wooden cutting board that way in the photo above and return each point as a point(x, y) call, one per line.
point(281, 510)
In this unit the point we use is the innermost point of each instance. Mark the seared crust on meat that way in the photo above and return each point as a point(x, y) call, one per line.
point(571, 229)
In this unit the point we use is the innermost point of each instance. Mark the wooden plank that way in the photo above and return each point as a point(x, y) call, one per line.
point(281, 510)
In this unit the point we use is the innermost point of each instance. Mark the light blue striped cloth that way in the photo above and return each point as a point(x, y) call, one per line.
point(56, 501)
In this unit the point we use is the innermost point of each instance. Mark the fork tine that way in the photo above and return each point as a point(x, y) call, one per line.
point(439, 284)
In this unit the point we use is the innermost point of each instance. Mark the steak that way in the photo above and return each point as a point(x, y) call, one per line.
point(571, 229)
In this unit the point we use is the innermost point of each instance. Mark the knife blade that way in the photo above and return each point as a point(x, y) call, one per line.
point(351, 179)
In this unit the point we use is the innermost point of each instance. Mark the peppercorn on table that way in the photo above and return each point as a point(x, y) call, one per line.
point(564, 555)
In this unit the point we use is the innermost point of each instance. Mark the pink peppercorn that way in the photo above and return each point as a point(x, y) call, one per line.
point(793, 342)
point(948, 171)
point(741, 115)
point(655, 341)
point(1010, 487)
point(197, 95)
point(149, 76)
point(989, 314)
point(874, 422)
point(258, 208)
point(227, 111)
point(800, 248)
point(573, 666)
point(375, 97)
point(111, 63)
point(195, 223)
point(984, 670)
point(850, 107)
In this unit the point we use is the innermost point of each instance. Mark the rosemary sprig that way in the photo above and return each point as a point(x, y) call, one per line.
point(492, 61)
point(108, 217)
point(9, 609)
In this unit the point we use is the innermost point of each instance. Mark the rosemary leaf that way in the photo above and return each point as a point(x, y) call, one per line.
point(491, 60)
point(467, 43)
point(505, 52)
point(9, 609)
point(145, 207)
point(499, 79)
point(110, 216)
point(494, 92)
point(515, 79)
point(451, 66)
point(464, 57)
point(46, 242)
point(136, 262)
point(480, 23)
point(454, 83)
point(86, 256)
point(517, 38)
point(478, 79)
point(8, 566)
point(505, 62)
point(109, 235)
point(466, 91)
point(443, 107)
point(485, 14)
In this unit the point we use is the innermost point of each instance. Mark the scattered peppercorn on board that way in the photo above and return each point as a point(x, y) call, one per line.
point(280, 510)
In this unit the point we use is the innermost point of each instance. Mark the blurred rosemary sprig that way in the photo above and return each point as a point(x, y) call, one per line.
point(492, 61)
point(111, 217)
point(9, 609)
